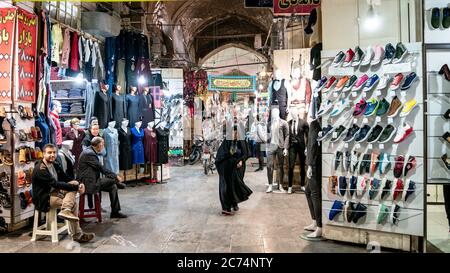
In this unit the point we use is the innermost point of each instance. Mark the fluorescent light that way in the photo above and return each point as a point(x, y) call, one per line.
point(141, 80)
point(372, 22)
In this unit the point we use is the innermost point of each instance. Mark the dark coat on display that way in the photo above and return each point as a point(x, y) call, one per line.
point(132, 109)
point(163, 145)
point(119, 108)
point(125, 162)
point(102, 109)
point(43, 182)
point(147, 108)
point(89, 170)
point(150, 145)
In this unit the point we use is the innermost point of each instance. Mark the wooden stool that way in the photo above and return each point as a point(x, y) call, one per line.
point(50, 228)
point(95, 212)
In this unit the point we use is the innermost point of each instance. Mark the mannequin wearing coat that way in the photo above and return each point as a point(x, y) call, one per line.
point(111, 137)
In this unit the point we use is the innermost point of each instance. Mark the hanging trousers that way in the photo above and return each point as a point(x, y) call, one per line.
point(294, 150)
point(278, 154)
point(313, 192)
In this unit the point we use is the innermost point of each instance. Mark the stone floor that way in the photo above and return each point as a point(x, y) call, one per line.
point(183, 215)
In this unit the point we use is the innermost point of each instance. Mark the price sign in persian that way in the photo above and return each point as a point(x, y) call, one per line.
point(26, 54)
point(288, 7)
point(7, 20)
point(232, 83)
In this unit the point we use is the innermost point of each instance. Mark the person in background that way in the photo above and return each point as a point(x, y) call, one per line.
point(259, 129)
point(94, 131)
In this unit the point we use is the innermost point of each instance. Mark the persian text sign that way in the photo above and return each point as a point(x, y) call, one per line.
point(232, 83)
point(7, 20)
point(287, 7)
point(27, 36)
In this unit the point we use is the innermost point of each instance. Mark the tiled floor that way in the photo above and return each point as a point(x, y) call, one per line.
point(183, 215)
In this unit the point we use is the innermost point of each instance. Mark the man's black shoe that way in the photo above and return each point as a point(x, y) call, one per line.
point(236, 208)
point(121, 185)
point(118, 215)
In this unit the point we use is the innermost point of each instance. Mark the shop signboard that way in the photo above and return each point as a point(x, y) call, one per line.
point(232, 83)
point(7, 20)
point(289, 7)
point(26, 56)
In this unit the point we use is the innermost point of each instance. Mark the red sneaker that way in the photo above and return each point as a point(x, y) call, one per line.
point(348, 57)
point(397, 81)
point(398, 189)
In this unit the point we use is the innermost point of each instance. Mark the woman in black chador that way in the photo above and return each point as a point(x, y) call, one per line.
point(230, 162)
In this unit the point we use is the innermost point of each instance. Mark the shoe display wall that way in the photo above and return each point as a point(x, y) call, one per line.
point(373, 139)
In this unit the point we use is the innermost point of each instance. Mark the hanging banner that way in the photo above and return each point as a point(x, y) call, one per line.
point(289, 7)
point(7, 20)
point(26, 56)
point(232, 83)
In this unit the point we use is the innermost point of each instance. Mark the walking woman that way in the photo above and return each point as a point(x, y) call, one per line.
point(230, 162)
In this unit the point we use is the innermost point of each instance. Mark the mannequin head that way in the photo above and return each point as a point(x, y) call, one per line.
point(112, 124)
point(275, 114)
point(57, 106)
point(104, 87)
point(138, 124)
point(296, 74)
point(146, 90)
point(294, 113)
point(67, 145)
point(151, 124)
point(133, 90)
point(75, 123)
point(94, 130)
point(278, 74)
point(118, 89)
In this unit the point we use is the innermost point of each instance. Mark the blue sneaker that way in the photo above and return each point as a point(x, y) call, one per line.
point(353, 182)
point(374, 186)
point(371, 82)
point(339, 108)
point(411, 189)
point(342, 186)
point(335, 209)
point(322, 83)
point(372, 107)
point(410, 79)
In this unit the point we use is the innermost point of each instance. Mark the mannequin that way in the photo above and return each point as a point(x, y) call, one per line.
point(118, 104)
point(162, 135)
point(77, 135)
point(55, 118)
point(132, 101)
point(279, 91)
point(137, 147)
point(111, 137)
point(66, 158)
point(146, 106)
point(125, 162)
point(300, 93)
point(313, 189)
point(277, 148)
point(102, 106)
point(150, 148)
point(298, 139)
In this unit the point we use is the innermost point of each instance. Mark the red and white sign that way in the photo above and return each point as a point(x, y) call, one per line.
point(288, 7)
point(7, 21)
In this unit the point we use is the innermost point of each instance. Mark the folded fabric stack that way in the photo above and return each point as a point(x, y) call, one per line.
point(76, 93)
point(61, 94)
point(65, 108)
point(76, 108)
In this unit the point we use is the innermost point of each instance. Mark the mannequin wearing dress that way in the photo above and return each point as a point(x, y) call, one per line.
point(111, 137)
point(146, 106)
point(77, 135)
point(102, 106)
point(137, 146)
point(119, 106)
point(55, 118)
point(132, 101)
point(150, 147)
point(66, 157)
point(125, 162)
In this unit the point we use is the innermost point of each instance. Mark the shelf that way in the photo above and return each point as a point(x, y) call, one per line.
point(63, 99)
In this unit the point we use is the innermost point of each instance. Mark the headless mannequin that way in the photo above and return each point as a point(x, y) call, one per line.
point(124, 125)
point(111, 125)
point(118, 90)
point(152, 167)
point(57, 108)
point(300, 96)
point(276, 93)
point(297, 146)
point(65, 154)
point(138, 125)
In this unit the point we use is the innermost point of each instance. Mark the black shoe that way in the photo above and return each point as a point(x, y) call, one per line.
point(121, 185)
point(227, 212)
point(338, 159)
point(118, 215)
point(447, 114)
point(236, 208)
point(386, 189)
point(361, 211)
point(446, 137)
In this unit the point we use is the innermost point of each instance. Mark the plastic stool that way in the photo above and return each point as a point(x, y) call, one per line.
point(95, 212)
point(50, 228)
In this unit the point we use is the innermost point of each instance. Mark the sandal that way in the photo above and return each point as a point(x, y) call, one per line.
point(34, 135)
point(38, 133)
point(23, 114)
point(22, 135)
point(28, 112)
point(39, 154)
point(7, 159)
point(21, 179)
point(12, 122)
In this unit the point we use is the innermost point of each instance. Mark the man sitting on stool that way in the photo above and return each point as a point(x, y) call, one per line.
point(52, 188)
point(89, 170)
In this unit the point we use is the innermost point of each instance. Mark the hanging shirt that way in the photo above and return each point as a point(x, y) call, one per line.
point(56, 43)
point(301, 91)
point(74, 51)
point(65, 49)
point(55, 119)
point(81, 42)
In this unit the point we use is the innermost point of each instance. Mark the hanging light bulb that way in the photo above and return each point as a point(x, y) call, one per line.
point(372, 21)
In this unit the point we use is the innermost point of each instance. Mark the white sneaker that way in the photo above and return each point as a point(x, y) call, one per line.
point(325, 108)
point(311, 227)
point(316, 234)
point(302, 189)
point(361, 186)
point(384, 82)
point(280, 188)
point(269, 189)
point(289, 190)
point(368, 56)
point(354, 161)
point(384, 162)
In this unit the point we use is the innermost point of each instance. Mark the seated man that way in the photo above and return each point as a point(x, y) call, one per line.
point(89, 170)
point(52, 188)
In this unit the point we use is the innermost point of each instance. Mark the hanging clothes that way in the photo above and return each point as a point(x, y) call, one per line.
point(163, 145)
point(74, 53)
point(150, 145)
point(110, 55)
point(120, 74)
point(45, 131)
point(132, 108)
point(147, 108)
point(120, 45)
point(81, 43)
point(315, 61)
point(77, 137)
point(111, 158)
point(143, 70)
point(67, 161)
point(137, 146)
point(119, 108)
point(91, 89)
point(125, 161)
point(102, 109)
point(55, 118)
point(57, 42)
point(52, 130)
point(65, 49)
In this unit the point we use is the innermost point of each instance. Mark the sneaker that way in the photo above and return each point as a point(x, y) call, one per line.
point(353, 185)
point(410, 164)
point(446, 161)
point(118, 215)
point(347, 161)
point(374, 187)
point(341, 83)
point(411, 189)
point(367, 56)
point(332, 184)
point(395, 214)
point(386, 189)
point(359, 212)
point(362, 187)
point(383, 108)
point(446, 137)
point(398, 166)
point(375, 134)
point(403, 133)
point(372, 107)
point(396, 82)
point(348, 58)
point(374, 160)
point(435, 18)
point(269, 189)
point(359, 56)
point(354, 161)
point(385, 163)
point(360, 108)
point(389, 53)
point(387, 134)
point(351, 133)
point(395, 107)
point(361, 83)
point(409, 80)
point(342, 186)
point(330, 83)
point(325, 108)
point(68, 215)
point(383, 212)
point(398, 191)
point(326, 131)
point(86, 237)
point(379, 55)
point(364, 165)
point(335, 209)
point(337, 160)
point(340, 107)
point(350, 83)
point(363, 133)
point(445, 71)
point(340, 57)
point(400, 53)
point(349, 208)
point(371, 82)
point(340, 132)
point(446, 17)
point(384, 82)
point(322, 83)
point(447, 114)
point(408, 107)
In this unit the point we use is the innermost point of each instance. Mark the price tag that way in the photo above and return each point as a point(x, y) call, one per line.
point(346, 145)
point(392, 93)
point(381, 146)
point(364, 94)
point(335, 94)
point(357, 146)
point(370, 146)
point(316, 95)
point(354, 94)
point(335, 134)
point(403, 93)
point(378, 93)
point(390, 120)
point(365, 121)
point(378, 119)
point(355, 120)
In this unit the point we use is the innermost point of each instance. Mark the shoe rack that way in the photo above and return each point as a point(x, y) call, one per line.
point(411, 214)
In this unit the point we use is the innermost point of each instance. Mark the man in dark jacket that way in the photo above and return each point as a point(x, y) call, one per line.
point(88, 173)
point(52, 188)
